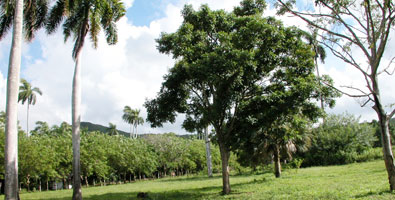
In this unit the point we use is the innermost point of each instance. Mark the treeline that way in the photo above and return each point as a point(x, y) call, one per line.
point(45, 157)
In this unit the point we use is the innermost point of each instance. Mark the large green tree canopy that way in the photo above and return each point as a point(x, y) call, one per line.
point(227, 63)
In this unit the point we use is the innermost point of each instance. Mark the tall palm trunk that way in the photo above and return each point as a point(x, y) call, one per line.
point(76, 119)
point(208, 153)
point(27, 120)
point(225, 154)
point(11, 126)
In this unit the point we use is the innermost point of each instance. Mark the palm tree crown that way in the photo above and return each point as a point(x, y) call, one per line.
point(112, 129)
point(86, 16)
point(27, 93)
point(131, 116)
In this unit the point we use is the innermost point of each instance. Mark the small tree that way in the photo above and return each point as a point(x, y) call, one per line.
point(112, 129)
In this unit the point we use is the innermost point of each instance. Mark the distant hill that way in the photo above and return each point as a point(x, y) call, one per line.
point(97, 127)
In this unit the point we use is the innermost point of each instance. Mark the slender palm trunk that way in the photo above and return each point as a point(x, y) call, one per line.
point(135, 129)
point(76, 119)
point(11, 126)
point(131, 130)
point(208, 153)
point(27, 120)
point(225, 154)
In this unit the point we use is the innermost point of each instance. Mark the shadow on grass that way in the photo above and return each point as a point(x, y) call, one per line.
point(209, 192)
point(373, 193)
point(195, 178)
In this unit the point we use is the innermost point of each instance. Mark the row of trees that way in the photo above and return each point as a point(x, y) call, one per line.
point(46, 156)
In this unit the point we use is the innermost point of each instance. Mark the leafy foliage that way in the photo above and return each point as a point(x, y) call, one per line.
point(339, 141)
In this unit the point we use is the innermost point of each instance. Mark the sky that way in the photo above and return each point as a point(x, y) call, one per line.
point(132, 71)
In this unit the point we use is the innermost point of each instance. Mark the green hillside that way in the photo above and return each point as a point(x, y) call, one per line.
point(97, 127)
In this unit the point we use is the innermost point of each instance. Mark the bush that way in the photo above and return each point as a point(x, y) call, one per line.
point(340, 140)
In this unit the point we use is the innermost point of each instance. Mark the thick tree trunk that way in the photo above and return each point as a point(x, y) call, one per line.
point(208, 153)
point(76, 119)
point(11, 126)
point(225, 153)
point(277, 163)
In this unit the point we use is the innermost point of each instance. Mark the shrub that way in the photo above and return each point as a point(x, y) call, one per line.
point(340, 140)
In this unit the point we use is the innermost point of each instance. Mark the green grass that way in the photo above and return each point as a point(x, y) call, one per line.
point(355, 181)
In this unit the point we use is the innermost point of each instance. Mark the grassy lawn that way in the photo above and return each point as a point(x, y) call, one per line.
point(355, 181)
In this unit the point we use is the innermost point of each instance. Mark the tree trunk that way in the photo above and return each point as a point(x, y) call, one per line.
point(277, 163)
point(11, 126)
point(28, 182)
point(225, 153)
point(385, 134)
point(86, 181)
point(27, 120)
point(208, 153)
point(39, 185)
point(47, 185)
point(76, 119)
point(387, 151)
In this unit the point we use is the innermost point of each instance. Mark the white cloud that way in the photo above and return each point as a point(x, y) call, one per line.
point(131, 71)
point(128, 3)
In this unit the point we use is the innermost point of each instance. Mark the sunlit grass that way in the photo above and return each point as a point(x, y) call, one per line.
point(354, 181)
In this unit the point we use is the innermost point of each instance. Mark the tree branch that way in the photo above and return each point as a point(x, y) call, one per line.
point(345, 93)
point(391, 114)
point(386, 69)
point(357, 89)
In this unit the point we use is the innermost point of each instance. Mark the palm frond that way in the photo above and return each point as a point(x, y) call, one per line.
point(56, 15)
point(94, 27)
point(6, 16)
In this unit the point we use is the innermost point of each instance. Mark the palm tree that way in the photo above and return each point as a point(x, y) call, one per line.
point(12, 13)
point(137, 120)
point(131, 116)
point(28, 94)
point(128, 117)
point(83, 17)
point(112, 129)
